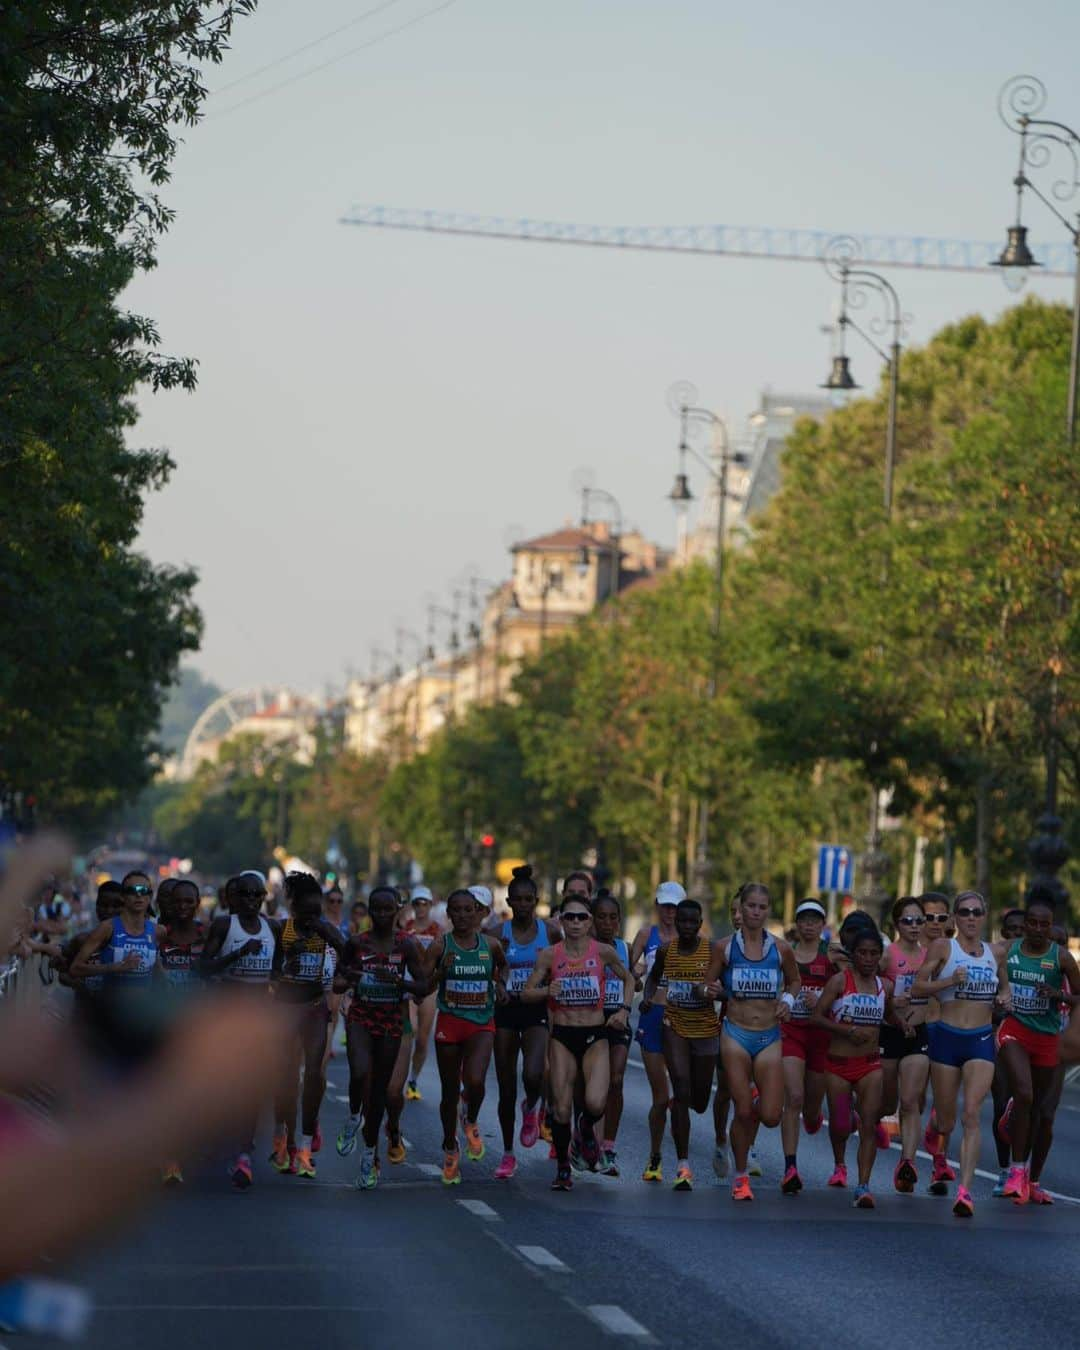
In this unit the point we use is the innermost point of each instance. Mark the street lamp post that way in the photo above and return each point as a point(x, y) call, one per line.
point(476, 633)
point(1019, 100)
point(454, 644)
point(587, 495)
point(682, 400)
point(856, 286)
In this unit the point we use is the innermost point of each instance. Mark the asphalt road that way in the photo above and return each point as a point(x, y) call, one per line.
point(297, 1264)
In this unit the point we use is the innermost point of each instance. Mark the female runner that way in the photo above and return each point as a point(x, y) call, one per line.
point(305, 938)
point(125, 944)
point(966, 977)
point(521, 1028)
point(607, 920)
point(573, 971)
point(424, 930)
point(803, 1046)
point(905, 1049)
point(650, 1035)
point(470, 968)
point(759, 975)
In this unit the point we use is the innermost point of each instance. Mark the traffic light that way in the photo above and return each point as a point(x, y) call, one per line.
point(487, 841)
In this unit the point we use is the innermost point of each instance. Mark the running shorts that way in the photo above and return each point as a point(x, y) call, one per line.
point(616, 1037)
point(453, 1030)
point(853, 1068)
point(579, 1040)
point(520, 1016)
point(955, 1046)
point(753, 1042)
point(650, 1034)
point(800, 1041)
point(1043, 1047)
point(895, 1045)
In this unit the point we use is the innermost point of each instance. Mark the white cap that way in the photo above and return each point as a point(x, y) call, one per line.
point(670, 893)
point(421, 893)
point(811, 907)
point(482, 896)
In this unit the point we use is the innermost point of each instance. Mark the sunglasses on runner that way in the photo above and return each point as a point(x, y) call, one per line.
point(966, 913)
point(936, 918)
point(577, 915)
point(136, 890)
point(917, 919)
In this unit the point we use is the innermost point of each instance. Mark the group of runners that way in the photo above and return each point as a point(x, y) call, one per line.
point(768, 1031)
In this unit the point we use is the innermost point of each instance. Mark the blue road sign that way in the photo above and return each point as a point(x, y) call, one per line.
point(835, 868)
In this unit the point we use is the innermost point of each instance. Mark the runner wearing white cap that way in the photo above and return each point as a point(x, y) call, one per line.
point(804, 1046)
point(423, 928)
point(650, 1034)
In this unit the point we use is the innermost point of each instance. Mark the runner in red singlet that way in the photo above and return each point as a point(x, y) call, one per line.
point(804, 1046)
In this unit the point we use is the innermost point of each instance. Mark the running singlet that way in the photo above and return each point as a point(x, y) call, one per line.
point(423, 937)
point(1030, 1007)
point(857, 1009)
point(522, 956)
point(579, 979)
point(815, 974)
point(467, 981)
point(689, 1013)
point(254, 967)
point(653, 943)
point(745, 978)
point(123, 944)
point(303, 957)
point(377, 997)
point(180, 961)
point(613, 986)
point(902, 969)
point(981, 983)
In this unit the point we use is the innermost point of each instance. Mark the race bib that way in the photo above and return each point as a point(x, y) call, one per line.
point(1027, 999)
point(374, 987)
point(680, 994)
point(980, 986)
point(746, 982)
point(308, 966)
point(613, 992)
point(579, 990)
point(518, 978)
point(466, 993)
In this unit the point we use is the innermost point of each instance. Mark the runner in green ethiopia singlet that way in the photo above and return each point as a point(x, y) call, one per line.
point(466, 985)
point(1026, 973)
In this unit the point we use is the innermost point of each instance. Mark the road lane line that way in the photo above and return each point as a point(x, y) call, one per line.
point(428, 1169)
point(540, 1256)
point(612, 1318)
point(477, 1207)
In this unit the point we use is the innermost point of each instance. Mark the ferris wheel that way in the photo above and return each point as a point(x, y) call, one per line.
point(228, 711)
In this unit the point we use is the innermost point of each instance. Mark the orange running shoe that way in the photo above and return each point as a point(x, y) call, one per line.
point(741, 1189)
point(684, 1179)
point(280, 1160)
point(451, 1167)
point(305, 1163)
point(474, 1144)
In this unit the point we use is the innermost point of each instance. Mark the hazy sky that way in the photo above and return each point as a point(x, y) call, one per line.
point(377, 411)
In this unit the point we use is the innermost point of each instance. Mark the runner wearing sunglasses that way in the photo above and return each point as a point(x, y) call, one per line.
point(758, 974)
point(905, 1049)
point(570, 976)
point(967, 977)
point(125, 945)
point(243, 948)
point(938, 924)
point(691, 1030)
point(423, 929)
point(1028, 1038)
point(803, 1046)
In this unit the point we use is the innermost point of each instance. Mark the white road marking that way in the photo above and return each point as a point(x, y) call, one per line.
point(540, 1256)
point(613, 1319)
point(428, 1169)
point(339, 1098)
point(478, 1208)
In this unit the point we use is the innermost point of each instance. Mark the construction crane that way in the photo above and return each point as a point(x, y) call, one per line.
point(732, 241)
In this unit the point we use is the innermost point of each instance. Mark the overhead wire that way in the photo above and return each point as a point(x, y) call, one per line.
point(342, 56)
point(280, 60)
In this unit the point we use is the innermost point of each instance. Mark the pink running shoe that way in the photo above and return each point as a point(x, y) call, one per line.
point(1037, 1195)
point(506, 1168)
point(530, 1127)
point(1016, 1185)
point(839, 1176)
point(316, 1139)
point(963, 1206)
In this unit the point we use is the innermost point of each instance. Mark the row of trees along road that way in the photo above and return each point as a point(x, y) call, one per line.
point(916, 658)
point(93, 98)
